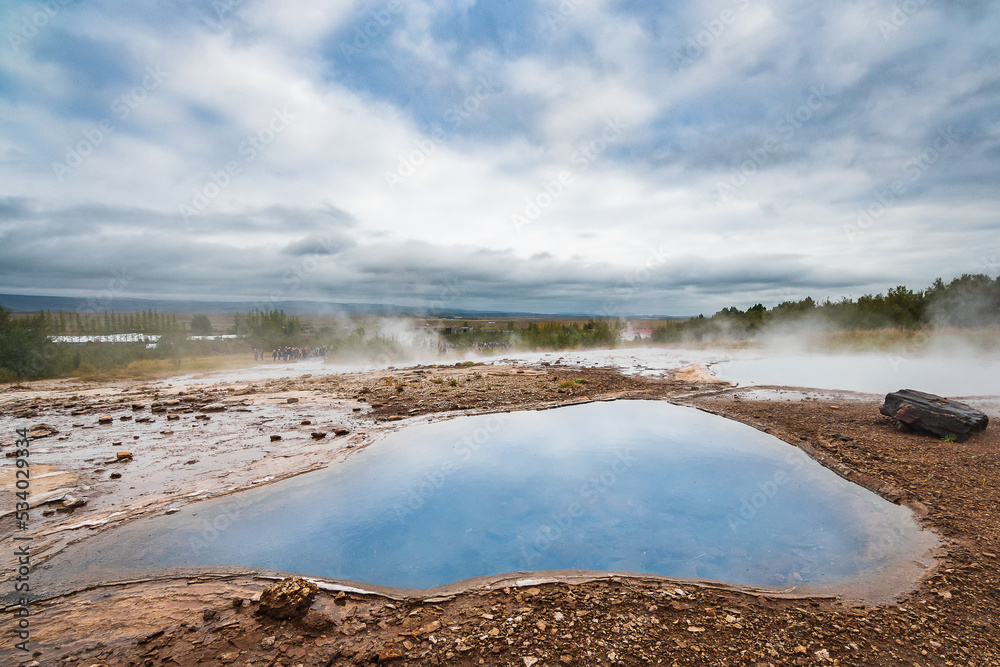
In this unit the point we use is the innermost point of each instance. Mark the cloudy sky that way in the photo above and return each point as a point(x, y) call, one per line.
point(598, 156)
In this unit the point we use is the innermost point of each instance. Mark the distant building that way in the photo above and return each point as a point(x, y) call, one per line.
point(109, 338)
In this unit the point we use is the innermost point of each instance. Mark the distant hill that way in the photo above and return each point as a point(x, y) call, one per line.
point(34, 303)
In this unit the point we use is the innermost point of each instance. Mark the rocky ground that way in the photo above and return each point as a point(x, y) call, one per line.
point(949, 619)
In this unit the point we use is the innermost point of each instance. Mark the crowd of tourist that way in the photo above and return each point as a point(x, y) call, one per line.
point(290, 353)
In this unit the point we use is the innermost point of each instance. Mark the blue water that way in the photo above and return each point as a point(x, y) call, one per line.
point(637, 486)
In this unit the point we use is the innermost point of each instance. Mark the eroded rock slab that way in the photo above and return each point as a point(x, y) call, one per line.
point(943, 417)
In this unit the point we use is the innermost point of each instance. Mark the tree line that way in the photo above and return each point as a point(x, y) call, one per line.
point(970, 301)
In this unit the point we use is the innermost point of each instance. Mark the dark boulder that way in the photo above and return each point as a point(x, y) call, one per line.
point(945, 418)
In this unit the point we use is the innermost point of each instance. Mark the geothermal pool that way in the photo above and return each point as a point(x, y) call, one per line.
point(868, 373)
point(628, 486)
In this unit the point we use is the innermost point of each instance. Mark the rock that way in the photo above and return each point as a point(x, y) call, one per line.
point(291, 400)
point(105, 419)
point(125, 418)
point(530, 662)
point(391, 651)
point(429, 628)
point(214, 407)
point(316, 621)
point(116, 475)
point(41, 431)
point(341, 430)
point(123, 456)
point(318, 435)
point(275, 438)
point(71, 502)
point(289, 598)
point(209, 614)
point(926, 412)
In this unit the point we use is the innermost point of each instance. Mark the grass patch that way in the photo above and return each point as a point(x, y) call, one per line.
point(158, 369)
point(566, 384)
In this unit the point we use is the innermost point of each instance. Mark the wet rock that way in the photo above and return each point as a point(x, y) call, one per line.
point(341, 430)
point(933, 414)
point(289, 598)
point(138, 406)
point(275, 438)
point(125, 418)
point(172, 418)
point(318, 435)
point(144, 420)
point(123, 456)
point(105, 419)
point(42, 431)
point(116, 475)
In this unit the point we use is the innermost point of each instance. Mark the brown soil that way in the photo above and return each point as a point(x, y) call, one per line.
point(950, 618)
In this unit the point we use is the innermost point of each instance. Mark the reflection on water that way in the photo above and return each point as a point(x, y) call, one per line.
point(639, 486)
